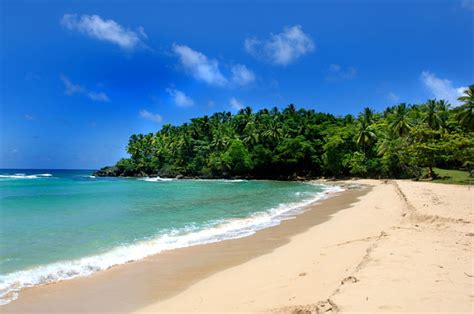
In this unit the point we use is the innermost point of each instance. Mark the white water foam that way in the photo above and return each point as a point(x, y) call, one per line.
point(233, 180)
point(24, 176)
point(156, 179)
point(216, 231)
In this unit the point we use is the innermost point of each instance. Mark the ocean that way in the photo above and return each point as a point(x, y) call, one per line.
point(61, 224)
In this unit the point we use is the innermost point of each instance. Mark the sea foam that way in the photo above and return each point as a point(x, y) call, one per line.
point(156, 179)
point(215, 231)
point(24, 176)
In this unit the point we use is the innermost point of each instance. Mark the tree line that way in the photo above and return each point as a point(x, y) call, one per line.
point(403, 141)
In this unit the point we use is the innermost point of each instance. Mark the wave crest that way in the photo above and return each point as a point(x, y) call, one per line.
point(25, 176)
point(156, 179)
point(219, 230)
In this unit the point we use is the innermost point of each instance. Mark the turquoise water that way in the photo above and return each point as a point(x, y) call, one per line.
point(57, 225)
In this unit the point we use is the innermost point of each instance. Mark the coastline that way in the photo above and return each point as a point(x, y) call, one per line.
point(403, 246)
point(396, 246)
point(71, 295)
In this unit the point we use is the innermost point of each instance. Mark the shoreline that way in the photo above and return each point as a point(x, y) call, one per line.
point(395, 246)
point(214, 231)
point(402, 247)
point(49, 296)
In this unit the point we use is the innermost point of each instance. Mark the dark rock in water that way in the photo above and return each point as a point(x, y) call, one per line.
point(179, 176)
point(112, 171)
point(205, 176)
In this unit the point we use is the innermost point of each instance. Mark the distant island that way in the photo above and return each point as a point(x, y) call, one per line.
point(403, 141)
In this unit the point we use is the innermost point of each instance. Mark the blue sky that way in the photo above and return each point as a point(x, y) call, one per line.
point(79, 77)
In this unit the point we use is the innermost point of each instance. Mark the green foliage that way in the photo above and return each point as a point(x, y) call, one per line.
point(357, 164)
point(126, 166)
point(401, 141)
point(466, 111)
point(236, 160)
point(337, 147)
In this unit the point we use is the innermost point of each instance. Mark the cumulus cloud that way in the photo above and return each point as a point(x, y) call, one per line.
point(241, 75)
point(200, 66)
point(337, 72)
point(72, 89)
point(282, 48)
point(208, 70)
point(98, 96)
point(106, 30)
point(442, 88)
point(145, 114)
point(180, 98)
point(235, 104)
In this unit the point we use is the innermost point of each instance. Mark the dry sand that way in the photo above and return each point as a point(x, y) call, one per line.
point(397, 246)
point(405, 246)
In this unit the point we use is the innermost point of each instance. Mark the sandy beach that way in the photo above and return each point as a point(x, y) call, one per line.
point(393, 246)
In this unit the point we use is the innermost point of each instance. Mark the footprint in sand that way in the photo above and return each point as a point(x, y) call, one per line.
point(350, 279)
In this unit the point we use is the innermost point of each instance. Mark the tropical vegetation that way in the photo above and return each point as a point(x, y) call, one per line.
point(403, 141)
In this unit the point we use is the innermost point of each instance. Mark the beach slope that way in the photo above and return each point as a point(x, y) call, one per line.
point(404, 246)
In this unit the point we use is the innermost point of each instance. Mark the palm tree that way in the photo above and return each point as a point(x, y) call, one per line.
point(366, 136)
point(220, 139)
point(290, 110)
point(348, 119)
point(443, 113)
point(466, 111)
point(388, 111)
point(274, 132)
point(251, 136)
point(274, 111)
point(400, 124)
point(385, 143)
point(432, 118)
point(443, 105)
point(367, 116)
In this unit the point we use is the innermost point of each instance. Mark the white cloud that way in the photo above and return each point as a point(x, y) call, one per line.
point(199, 66)
point(180, 98)
point(71, 88)
point(29, 117)
point(442, 88)
point(283, 48)
point(208, 70)
point(337, 72)
point(145, 114)
point(235, 104)
point(106, 30)
point(241, 75)
point(98, 96)
point(391, 96)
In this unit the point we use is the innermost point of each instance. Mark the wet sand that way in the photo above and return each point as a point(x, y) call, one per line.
point(403, 247)
point(397, 246)
point(136, 285)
